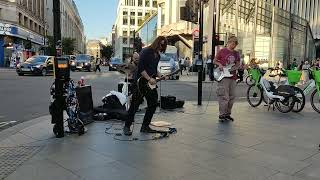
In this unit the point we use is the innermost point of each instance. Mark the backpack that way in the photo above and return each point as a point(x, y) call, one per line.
point(112, 102)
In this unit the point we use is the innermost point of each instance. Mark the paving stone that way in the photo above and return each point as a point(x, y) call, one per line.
point(311, 172)
point(286, 151)
point(43, 170)
point(284, 165)
point(223, 148)
point(280, 176)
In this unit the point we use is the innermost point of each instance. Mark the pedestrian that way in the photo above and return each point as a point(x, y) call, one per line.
point(187, 65)
point(294, 64)
point(182, 64)
point(227, 86)
point(98, 63)
point(210, 67)
point(146, 72)
point(241, 71)
point(300, 66)
point(305, 71)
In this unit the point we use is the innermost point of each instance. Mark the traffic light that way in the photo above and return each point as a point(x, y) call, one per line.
point(217, 40)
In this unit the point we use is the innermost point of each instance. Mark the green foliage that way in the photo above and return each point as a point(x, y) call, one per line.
point(107, 51)
point(68, 45)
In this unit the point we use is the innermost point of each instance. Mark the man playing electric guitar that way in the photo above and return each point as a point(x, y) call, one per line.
point(147, 67)
point(226, 87)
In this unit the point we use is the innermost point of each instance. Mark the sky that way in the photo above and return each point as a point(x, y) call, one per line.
point(97, 16)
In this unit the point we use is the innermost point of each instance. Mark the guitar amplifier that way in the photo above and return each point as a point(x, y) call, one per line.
point(168, 102)
point(84, 96)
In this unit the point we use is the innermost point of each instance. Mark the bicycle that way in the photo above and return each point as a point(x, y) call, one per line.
point(283, 96)
point(315, 95)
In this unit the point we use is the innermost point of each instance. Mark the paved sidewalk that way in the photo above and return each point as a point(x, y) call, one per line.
point(259, 145)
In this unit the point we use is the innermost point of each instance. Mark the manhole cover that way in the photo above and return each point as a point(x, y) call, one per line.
point(11, 158)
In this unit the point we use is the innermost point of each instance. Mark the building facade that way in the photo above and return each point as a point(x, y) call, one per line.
point(94, 48)
point(130, 14)
point(22, 29)
point(71, 23)
point(265, 31)
point(306, 9)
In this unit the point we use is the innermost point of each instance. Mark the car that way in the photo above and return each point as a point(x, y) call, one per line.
point(82, 62)
point(36, 65)
point(164, 66)
point(71, 59)
point(114, 63)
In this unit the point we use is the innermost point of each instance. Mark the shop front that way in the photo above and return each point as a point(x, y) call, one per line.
point(17, 44)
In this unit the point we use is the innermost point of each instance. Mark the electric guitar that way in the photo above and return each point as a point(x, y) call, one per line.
point(225, 73)
point(145, 86)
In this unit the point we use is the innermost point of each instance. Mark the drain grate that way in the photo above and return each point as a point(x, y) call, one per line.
point(11, 158)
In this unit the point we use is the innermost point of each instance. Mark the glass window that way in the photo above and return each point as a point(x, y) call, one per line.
point(139, 13)
point(125, 21)
point(147, 3)
point(131, 41)
point(125, 13)
point(132, 13)
point(139, 2)
point(154, 3)
point(125, 40)
point(124, 33)
point(140, 21)
point(131, 33)
point(132, 21)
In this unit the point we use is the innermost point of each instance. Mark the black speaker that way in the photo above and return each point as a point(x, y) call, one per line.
point(168, 102)
point(84, 95)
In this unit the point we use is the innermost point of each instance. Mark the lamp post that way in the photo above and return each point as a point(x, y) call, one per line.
point(200, 68)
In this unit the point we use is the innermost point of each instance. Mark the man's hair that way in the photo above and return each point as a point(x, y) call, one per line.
point(156, 43)
point(232, 39)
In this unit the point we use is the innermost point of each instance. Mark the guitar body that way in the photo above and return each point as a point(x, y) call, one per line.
point(225, 73)
point(144, 86)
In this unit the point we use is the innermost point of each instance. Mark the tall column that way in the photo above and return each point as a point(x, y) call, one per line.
point(255, 29)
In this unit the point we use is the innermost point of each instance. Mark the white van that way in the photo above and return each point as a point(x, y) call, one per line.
point(164, 66)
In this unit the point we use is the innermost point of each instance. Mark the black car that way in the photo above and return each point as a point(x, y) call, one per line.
point(114, 63)
point(82, 62)
point(36, 65)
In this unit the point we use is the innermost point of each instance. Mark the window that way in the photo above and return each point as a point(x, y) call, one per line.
point(140, 3)
point(132, 13)
point(31, 24)
point(125, 13)
point(124, 33)
point(125, 21)
point(25, 21)
point(131, 33)
point(131, 41)
point(140, 21)
point(139, 13)
point(125, 40)
point(147, 3)
point(154, 3)
point(20, 18)
point(132, 21)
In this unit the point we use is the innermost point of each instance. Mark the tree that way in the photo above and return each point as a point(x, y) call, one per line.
point(68, 45)
point(107, 51)
point(51, 46)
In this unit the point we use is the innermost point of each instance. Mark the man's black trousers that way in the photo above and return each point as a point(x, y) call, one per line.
point(137, 98)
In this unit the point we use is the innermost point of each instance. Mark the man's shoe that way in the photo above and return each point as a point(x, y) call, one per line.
point(229, 118)
point(147, 130)
point(222, 119)
point(127, 131)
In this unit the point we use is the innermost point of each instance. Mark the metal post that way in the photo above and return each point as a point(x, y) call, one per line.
point(200, 70)
point(213, 50)
point(255, 29)
point(58, 119)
